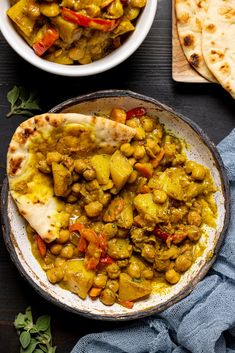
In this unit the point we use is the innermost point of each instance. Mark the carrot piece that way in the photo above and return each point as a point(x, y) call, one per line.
point(155, 162)
point(146, 169)
point(82, 244)
point(41, 245)
point(95, 292)
point(127, 304)
point(50, 36)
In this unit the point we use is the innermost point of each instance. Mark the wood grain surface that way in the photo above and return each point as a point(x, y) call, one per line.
point(147, 71)
point(182, 71)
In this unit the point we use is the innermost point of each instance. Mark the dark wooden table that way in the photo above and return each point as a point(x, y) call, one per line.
point(148, 71)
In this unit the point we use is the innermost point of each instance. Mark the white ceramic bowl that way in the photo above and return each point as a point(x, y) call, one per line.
point(200, 148)
point(133, 41)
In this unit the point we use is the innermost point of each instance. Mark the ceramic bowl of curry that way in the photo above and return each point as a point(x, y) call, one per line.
point(76, 38)
point(161, 228)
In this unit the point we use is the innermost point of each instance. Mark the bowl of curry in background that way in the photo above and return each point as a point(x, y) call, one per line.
point(197, 147)
point(72, 39)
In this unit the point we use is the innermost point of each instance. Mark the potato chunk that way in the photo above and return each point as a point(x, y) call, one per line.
point(131, 290)
point(62, 179)
point(120, 169)
point(101, 164)
point(119, 248)
point(77, 278)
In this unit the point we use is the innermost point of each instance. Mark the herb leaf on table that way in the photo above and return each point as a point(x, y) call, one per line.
point(34, 338)
point(22, 102)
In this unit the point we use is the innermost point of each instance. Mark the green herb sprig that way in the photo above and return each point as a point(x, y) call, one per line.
point(34, 338)
point(22, 102)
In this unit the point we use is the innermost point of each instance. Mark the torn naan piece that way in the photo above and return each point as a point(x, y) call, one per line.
point(189, 17)
point(35, 140)
point(218, 42)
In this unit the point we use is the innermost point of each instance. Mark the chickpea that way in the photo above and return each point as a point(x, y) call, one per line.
point(147, 123)
point(71, 198)
point(132, 122)
point(67, 251)
point(118, 114)
point(80, 166)
point(134, 270)
point(113, 271)
point(112, 285)
point(138, 3)
point(182, 263)
point(172, 276)
point(89, 174)
point(100, 280)
point(93, 10)
point(194, 218)
point(148, 252)
point(92, 185)
point(107, 297)
point(75, 176)
point(93, 209)
point(148, 273)
point(139, 152)
point(44, 167)
point(76, 188)
point(198, 172)
point(55, 275)
point(105, 199)
point(161, 265)
point(127, 149)
point(194, 233)
point(152, 147)
point(123, 263)
point(159, 196)
point(59, 262)
point(53, 157)
point(50, 10)
point(111, 230)
point(140, 134)
point(64, 236)
point(132, 161)
point(132, 178)
point(55, 249)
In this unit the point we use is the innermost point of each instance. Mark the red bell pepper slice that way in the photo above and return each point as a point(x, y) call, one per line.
point(127, 304)
point(50, 36)
point(86, 21)
point(162, 235)
point(135, 112)
point(82, 244)
point(41, 245)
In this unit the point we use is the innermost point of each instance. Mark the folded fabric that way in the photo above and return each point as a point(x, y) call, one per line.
point(203, 322)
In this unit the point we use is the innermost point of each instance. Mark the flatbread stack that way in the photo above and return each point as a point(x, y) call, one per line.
point(206, 31)
point(31, 190)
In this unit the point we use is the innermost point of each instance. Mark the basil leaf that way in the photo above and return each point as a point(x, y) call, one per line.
point(19, 321)
point(31, 346)
point(13, 95)
point(43, 348)
point(28, 314)
point(25, 339)
point(43, 322)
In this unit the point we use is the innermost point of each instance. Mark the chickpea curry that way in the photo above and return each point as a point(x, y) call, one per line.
point(131, 216)
point(74, 32)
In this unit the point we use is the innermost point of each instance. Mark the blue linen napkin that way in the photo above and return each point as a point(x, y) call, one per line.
point(197, 323)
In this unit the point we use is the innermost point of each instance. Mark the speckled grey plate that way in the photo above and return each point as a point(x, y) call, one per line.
point(200, 149)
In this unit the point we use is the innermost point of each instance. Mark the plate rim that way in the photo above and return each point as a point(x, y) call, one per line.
point(6, 228)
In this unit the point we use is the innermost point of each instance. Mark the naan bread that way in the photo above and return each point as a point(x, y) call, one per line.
point(189, 16)
point(32, 190)
point(218, 42)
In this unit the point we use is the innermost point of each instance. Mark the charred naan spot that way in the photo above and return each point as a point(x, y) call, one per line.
point(212, 43)
point(211, 28)
point(216, 56)
point(183, 18)
point(194, 60)
point(14, 164)
point(12, 149)
point(225, 69)
point(227, 11)
point(47, 118)
point(188, 40)
point(26, 133)
point(23, 213)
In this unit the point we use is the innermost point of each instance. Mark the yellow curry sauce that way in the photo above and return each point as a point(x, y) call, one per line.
point(131, 217)
point(74, 32)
